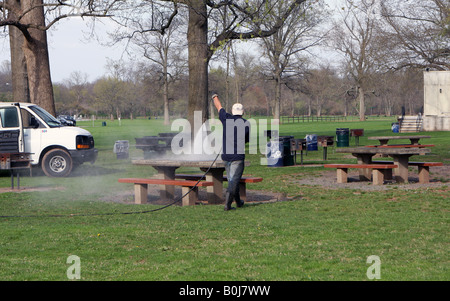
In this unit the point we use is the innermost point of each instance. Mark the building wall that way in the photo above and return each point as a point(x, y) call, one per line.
point(436, 101)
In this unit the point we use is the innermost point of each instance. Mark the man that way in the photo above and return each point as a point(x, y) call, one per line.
point(236, 133)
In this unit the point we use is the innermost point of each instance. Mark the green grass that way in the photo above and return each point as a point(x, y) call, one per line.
point(318, 234)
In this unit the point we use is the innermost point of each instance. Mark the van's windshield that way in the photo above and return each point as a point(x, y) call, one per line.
point(46, 116)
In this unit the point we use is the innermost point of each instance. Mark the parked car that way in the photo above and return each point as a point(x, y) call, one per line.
point(67, 120)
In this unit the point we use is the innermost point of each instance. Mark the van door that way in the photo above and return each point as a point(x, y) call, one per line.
point(31, 134)
point(11, 132)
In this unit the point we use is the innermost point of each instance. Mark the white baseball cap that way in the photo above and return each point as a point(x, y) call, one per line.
point(237, 109)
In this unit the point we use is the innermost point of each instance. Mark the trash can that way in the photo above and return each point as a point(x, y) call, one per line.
point(104, 123)
point(121, 149)
point(279, 152)
point(395, 127)
point(288, 157)
point(311, 142)
point(342, 137)
point(275, 153)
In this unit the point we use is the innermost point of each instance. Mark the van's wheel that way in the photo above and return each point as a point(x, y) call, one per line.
point(57, 163)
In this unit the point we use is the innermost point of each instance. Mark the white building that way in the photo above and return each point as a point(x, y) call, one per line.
point(436, 108)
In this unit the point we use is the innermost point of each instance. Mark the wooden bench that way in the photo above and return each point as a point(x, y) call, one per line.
point(378, 171)
point(242, 184)
point(141, 188)
point(423, 169)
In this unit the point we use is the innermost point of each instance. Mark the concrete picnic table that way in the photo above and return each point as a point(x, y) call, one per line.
point(385, 139)
point(166, 170)
point(400, 155)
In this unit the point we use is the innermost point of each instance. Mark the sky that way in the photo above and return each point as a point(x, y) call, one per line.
point(71, 51)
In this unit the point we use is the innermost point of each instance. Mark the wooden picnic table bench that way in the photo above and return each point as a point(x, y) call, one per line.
point(378, 171)
point(400, 155)
point(385, 139)
point(166, 170)
point(189, 188)
point(242, 183)
point(423, 168)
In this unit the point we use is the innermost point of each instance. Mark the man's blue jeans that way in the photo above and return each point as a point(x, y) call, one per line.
point(234, 171)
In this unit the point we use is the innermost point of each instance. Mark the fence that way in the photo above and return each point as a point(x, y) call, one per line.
point(295, 119)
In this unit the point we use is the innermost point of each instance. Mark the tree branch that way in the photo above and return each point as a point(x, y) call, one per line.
point(231, 34)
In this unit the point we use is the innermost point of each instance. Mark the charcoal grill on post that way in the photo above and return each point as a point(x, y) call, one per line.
point(357, 133)
point(10, 157)
point(155, 145)
point(13, 162)
point(298, 144)
point(325, 142)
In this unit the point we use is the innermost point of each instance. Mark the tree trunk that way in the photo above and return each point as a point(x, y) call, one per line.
point(35, 49)
point(227, 82)
point(345, 107)
point(319, 108)
point(362, 106)
point(198, 60)
point(309, 107)
point(21, 92)
point(236, 78)
point(166, 98)
point(277, 109)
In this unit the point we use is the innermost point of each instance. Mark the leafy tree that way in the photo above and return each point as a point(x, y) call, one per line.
point(110, 96)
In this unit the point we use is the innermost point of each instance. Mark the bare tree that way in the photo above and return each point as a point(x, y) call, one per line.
point(418, 32)
point(322, 86)
point(78, 90)
point(29, 18)
point(356, 39)
point(298, 34)
point(207, 32)
point(165, 51)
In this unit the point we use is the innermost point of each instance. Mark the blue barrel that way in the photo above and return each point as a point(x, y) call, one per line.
point(311, 142)
point(275, 151)
point(395, 127)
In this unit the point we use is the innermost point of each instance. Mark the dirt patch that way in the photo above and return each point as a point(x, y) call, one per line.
point(439, 177)
point(253, 196)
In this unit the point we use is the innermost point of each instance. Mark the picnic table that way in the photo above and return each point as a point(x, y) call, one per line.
point(385, 139)
point(166, 170)
point(400, 155)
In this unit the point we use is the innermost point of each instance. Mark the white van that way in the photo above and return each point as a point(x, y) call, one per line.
point(57, 149)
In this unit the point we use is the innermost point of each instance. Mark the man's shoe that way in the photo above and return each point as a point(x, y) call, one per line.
point(229, 208)
point(240, 204)
point(228, 201)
